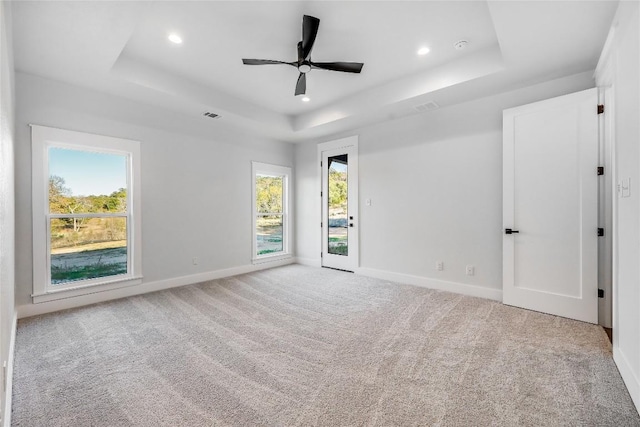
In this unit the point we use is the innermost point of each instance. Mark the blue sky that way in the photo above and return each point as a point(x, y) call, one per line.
point(338, 167)
point(86, 173)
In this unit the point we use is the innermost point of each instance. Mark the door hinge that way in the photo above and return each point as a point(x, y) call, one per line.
point(600, 109)
point(600, 293)
point(320, 254)
point(600, 232)
point(320, 225)
point(321, 194)
point(600, 170)
point(320, 164)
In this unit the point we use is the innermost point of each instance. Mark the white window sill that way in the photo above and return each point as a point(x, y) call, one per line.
point(271, 258)
point(57, 294)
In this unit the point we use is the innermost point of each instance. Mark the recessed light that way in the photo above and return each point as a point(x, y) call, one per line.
point(173, 37)
point(306, 99)
point(423, 50)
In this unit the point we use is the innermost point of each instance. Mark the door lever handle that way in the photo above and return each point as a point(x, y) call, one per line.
point(510, 231)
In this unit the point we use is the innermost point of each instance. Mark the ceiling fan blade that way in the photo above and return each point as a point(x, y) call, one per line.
point(347, 67)
point(310, 26)
point(264, 62)
point(300, 52)
point(301, 86)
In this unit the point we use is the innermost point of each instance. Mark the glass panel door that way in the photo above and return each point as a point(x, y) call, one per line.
point(340, 207)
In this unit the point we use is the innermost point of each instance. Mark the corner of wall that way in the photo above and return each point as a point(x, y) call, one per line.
point(7, 208)
point(6, 419)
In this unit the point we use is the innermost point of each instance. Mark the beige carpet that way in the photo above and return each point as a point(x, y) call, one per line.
point(301, 346)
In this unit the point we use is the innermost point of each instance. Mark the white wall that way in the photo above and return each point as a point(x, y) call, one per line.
point(619, 68)
point(435, 182)
point(196, 181)
point(7, 198)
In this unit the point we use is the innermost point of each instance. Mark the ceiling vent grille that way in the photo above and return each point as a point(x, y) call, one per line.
point(429, 106)
point(210, 115)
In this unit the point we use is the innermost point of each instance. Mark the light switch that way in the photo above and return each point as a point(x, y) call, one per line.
point(626, 187)
point(368, 202)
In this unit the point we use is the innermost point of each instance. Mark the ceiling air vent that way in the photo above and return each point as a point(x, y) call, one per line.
point(210, 115)
point(429, 106)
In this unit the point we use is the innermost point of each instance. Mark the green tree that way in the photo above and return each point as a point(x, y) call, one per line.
point(337, 189)
point(269, 194)
point(61, 201)
point(118, 200)
point(58, 194)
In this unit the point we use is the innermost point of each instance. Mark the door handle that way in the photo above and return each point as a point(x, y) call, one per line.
point(510, 231)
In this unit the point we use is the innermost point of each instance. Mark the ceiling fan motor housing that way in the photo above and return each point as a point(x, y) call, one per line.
point(305, 67)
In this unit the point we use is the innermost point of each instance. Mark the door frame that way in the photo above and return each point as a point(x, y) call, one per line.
point(604, 76)
point(354, 243)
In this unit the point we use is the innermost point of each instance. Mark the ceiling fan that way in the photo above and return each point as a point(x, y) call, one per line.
point(304, 64)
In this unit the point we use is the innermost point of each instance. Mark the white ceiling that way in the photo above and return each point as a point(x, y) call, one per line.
point(122, 48)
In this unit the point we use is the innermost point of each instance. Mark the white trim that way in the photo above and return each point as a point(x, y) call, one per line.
point(607, 195)
point(90, 215)
point(338, 143)
point(311, 262)
point(88, 288)
point(426, 282)
point(8, 390)
point(343, 145)
point(273, 258)
point(258, 168)
point(628, 377)
point(28, 310)
point(42, 138)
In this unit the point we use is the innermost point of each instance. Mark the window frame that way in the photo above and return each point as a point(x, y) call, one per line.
point(258, 168)
point(42, 139)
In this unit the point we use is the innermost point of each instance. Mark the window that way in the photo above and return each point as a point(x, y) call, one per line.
point(271, 222)
point(86, 211)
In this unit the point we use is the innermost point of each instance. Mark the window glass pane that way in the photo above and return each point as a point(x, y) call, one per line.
point(269, 234)
point(269, 193)
point(338, 193)
point(86, 182)
point(87, 248)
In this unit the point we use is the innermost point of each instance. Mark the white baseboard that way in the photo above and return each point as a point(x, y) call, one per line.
point(28, 310)
point(311, 262)
point(425, 282)
point(629, 378)
point(8, 391)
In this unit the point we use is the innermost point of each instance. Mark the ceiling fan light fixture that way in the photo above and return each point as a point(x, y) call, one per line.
point(306, 99)
point(174, 38)
point(423, 51)
point(304, 68)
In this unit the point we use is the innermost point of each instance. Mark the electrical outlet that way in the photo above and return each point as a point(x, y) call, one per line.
point(471, 270)
point(195, 261)
point(439, 265)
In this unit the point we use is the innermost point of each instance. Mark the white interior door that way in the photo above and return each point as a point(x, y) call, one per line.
point(340, 208)
point(550, 202)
